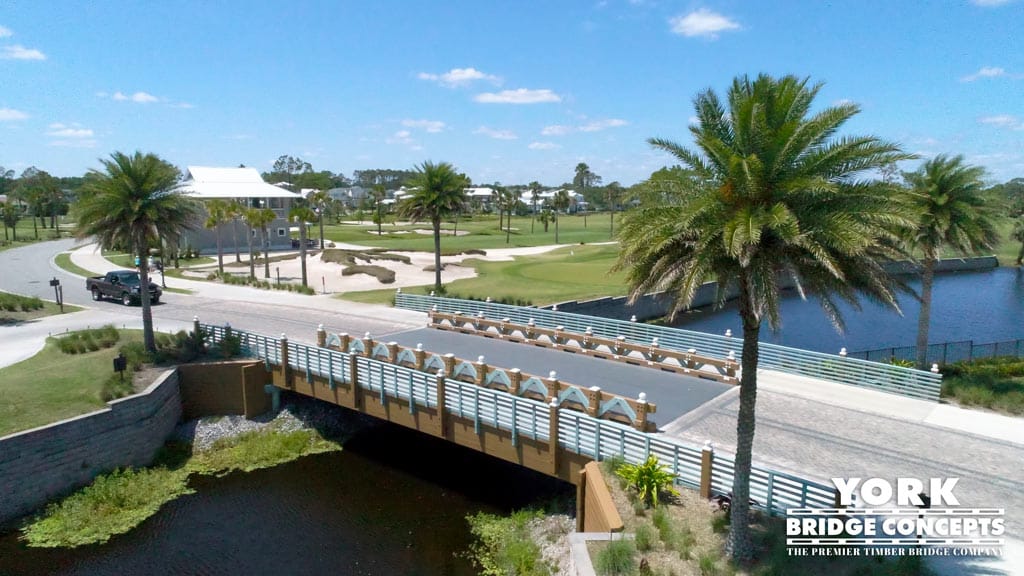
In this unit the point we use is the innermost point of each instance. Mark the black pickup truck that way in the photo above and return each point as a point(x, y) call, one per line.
point(122, 285)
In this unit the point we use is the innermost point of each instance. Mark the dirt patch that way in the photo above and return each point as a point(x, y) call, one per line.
point(145, 376)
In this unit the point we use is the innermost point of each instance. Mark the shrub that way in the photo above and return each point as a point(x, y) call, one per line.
point(720, 523)
point(230, 346)
point(644, 537)
point(383, 275)
point(116, 386)
point(89, 340)
point(649, 479)
point(708, 565)
point(503, 545)
point(663, 524)
point(616, 558)
point(685, 543)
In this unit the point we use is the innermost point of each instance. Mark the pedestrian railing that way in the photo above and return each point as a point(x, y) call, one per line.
point(843, 369)
point(946, 352)
point(577, 432)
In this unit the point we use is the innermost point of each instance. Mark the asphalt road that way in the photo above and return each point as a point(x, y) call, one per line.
point(673, 393)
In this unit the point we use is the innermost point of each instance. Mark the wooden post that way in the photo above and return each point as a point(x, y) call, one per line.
point(368, 346)
point(553, 386)
point(481, 371)
point(707, 457)
point(420, 356)
point(345, 341)
point(593, 400)
point(392, 352)
point(449, 363)
point(641, 412)
point(442, 413)
point(515, 377)
point(321, 336)
point(195, 325)
point(553, 435)
point(286, 371)
point(581, 501)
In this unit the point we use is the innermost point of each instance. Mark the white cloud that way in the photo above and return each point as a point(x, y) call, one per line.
point(598, 125)
point(543, 146)
point(58, 130)
point(5, 32)
point(19, 52)
point(401, 137)
point(520, 96)
point(1003, 121)
point(989, 3)
point(432, 126)
point(7, 114)
point(702, 22)
point(496, 134)
point(140, 97)
point(990, 72)
point(556, 130)
point(459, 77)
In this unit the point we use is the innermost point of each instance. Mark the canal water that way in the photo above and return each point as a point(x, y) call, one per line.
point(393, 502)
point(980, 306)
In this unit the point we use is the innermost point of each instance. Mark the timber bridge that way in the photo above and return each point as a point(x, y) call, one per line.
point(540, 421)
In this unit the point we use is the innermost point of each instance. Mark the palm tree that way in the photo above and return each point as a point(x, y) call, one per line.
point(235, 211)
point(438, 191)
point(217, 213)
point(951, 213)
point(302, 214)
point(134, 201)
point(320, 199)
point(534, 195)
point(379, 194)
point(509, 200)
point(613, 192)
point(582, 179)
point(1018, 234)
point(262, 218)
point(776, 196)
point(560, 202)
point(251, 216)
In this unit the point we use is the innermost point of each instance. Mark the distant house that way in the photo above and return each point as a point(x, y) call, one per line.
point(544, 199)
point(246, 187)
point(350, 196)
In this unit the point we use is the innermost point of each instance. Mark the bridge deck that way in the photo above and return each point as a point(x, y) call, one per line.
point(674, 394)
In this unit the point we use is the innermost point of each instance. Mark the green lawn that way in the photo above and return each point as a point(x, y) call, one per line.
point(63, 261)
point(26, 235)
point(1007, 249)
point(21, 315)
point(483, 233)
point(52, 385)
point(572, 273)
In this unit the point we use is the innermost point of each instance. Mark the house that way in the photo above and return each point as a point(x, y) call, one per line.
point(351, 196)
point(544, 199)
point(246, 187)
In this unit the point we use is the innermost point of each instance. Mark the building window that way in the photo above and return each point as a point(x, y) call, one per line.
point(281, 232)
point(275, 203)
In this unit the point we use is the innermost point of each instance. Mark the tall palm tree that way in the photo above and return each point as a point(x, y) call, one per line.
point(320, 199)
point(131, 202)
point(262, 218)
point(251, 216)
point(509, 200)
point(217, 213)
point(776, 196)
point(438, 191)
point(379, 194)
point(235, 211)
point(302, 214)
point(951, 213)
point(613, 192)
point(560, 202)
point(534, 196)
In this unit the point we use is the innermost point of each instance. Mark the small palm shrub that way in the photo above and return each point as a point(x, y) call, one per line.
point(649, 480)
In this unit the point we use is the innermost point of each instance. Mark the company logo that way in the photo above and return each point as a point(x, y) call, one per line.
point(923, 521)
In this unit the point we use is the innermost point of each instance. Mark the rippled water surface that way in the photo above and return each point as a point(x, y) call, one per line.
point(980, 306)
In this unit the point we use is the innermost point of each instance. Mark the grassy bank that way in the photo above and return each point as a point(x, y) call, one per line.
point(63, 261)
point(117, 502)
point(993, 383)
point(54, 385)
point(15, 309)
point(571, 273)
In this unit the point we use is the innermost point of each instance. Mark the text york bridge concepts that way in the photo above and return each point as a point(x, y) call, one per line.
point(927, 519)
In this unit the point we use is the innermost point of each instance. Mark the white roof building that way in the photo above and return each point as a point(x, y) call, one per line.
point(205, 183)
point(482, 193)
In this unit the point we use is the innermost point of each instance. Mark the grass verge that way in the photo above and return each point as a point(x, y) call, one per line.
point(117, 502)
point(993, 383)
point(63, 261)
point(15, 309)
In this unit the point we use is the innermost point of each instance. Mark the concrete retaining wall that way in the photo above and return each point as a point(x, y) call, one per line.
point(222, 388)
point(656, 305)
point(39, 465)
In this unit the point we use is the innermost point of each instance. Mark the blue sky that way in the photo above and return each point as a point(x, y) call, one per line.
point(506, 91)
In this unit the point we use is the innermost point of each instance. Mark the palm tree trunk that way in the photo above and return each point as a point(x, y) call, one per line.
point(739, 544)
point(266, 253)
point(556, 229)
point(220, 251)
point(437, 254)
point(148, 340)
point(321, 229)
point(302, 249)
point(234, 239)
point(252, 260)
point(533, 218)
point(35, 227)
point(924, 318)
